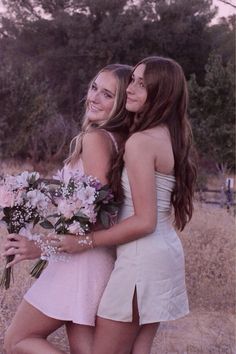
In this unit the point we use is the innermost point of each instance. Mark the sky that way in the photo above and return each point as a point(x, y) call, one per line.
point(224, 9)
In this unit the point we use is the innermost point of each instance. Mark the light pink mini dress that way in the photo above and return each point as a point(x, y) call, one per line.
point(71, 290)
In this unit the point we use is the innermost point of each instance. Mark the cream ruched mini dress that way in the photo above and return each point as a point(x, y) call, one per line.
point(153, 266)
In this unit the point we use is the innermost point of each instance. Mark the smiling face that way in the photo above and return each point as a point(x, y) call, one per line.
point(136, 91)
point(101, 97)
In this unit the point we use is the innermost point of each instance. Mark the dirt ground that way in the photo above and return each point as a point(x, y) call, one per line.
point(210, 328)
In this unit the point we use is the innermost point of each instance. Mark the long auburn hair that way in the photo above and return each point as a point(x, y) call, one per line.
point(118, 121)
point(167, 102)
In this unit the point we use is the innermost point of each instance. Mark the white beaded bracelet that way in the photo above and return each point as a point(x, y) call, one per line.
point(47, 250)
point(86, 241)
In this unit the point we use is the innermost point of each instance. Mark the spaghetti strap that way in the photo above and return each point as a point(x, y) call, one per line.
point(112, 139)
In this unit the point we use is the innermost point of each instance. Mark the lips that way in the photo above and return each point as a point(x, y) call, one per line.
point(130, 100)
point(94, 108)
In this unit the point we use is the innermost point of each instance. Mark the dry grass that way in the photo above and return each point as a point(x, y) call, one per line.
point(14, 167)
point(210, 249)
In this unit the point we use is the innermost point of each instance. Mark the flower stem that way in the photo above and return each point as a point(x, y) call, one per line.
point(38, 268)
point(7, 274)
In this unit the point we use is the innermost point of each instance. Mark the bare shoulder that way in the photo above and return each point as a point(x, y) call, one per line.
point(96, 154)
point(157, 137)
point(136, 140)
point(138, 146)
point(159, 132)
point(96, 138)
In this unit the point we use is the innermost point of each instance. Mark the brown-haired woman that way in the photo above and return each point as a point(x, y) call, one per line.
point(147, 285)
point(68, 292)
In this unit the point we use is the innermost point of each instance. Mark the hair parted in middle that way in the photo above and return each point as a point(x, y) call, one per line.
point(166, 104)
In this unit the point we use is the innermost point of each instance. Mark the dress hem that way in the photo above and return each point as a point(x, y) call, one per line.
point(145, 321)
point(60, 318)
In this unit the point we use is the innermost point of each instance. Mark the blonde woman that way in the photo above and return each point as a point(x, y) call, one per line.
point(69, 292)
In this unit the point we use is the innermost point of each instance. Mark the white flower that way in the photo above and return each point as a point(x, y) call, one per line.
point(88, 210)
point(1, 214)
point(7, 197)
point(21, 180)
point(87, 195)
point(19, 197)
point(64, 175)
point(75, 228)
point(66, 208)
point(36, 199)
point(77, 176)
point(26, 231)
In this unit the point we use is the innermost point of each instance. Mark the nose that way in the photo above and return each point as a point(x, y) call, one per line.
point(94, 96)
point(129, 89)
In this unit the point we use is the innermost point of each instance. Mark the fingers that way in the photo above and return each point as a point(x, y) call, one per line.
point(18, 258)
point(11, 244)
point(61, 249)
point(52, 236)
point(11, 252)
point(13, 237)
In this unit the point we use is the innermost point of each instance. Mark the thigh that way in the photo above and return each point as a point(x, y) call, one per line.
point(30, 322)
point(114, 337)
point(80, 338)
point(143, 341)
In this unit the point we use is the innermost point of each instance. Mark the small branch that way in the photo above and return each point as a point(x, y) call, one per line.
point(228, 3)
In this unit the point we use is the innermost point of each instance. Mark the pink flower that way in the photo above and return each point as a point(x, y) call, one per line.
point(37, 199)
point(66, 208)
point(75, 228)
point(63, 175)
point(87, 195)
point(77, 203)
point(88, 210)
point(7, 197)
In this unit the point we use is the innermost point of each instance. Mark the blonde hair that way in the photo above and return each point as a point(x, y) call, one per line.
point(117, 119)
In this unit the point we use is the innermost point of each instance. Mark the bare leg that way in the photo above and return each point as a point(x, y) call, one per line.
point(144, 340)
point(114, 337)
point(80, 338)
point(35, 346)
point(29, 330)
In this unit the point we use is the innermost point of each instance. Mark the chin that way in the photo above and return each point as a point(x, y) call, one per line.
point(93, 118)
point(131, 108)
point(97, 121)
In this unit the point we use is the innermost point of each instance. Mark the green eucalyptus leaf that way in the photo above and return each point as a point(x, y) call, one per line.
point(46, 224)
point(105, 219)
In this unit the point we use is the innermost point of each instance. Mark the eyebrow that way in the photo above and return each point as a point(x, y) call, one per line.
point(138, 77)
point(104, 89)
point(108, 91)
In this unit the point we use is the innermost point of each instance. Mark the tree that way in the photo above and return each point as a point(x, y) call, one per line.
point(222, 38)
point(179, 29)
point(212, 111)
point(30, 124)
point(54, 48)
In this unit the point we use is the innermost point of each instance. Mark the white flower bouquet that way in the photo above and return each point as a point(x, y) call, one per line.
point(23, 202)
point(82, 201)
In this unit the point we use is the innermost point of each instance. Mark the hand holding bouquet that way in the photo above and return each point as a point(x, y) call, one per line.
point(82, 201)
point(23, 202)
